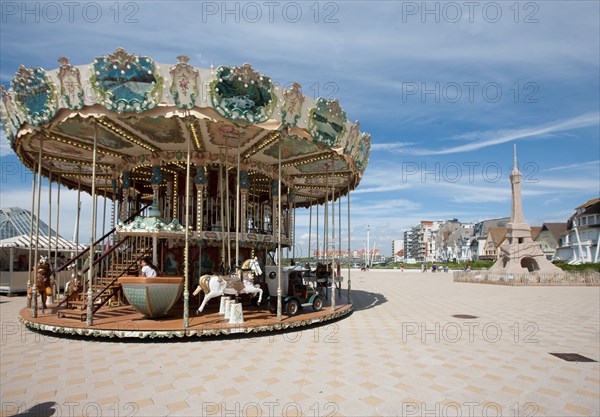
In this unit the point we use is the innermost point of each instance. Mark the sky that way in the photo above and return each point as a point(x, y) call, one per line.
point(444, 88)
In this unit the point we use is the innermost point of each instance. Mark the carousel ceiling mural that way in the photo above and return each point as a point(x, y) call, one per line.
point(142, 114)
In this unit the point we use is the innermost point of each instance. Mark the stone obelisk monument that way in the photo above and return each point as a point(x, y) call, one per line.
point(518, 253)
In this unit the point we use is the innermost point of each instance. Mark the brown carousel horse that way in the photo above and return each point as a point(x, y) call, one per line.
point(43, 280)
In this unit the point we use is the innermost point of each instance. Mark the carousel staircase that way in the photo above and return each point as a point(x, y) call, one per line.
point(106, 290)
point(122, 258)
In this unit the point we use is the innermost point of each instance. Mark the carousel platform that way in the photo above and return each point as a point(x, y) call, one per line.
point(125, 322)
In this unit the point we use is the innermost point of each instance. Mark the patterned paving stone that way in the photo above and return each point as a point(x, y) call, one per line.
point(400, 353)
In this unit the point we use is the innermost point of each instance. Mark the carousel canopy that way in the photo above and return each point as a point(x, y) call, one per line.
point(143, 114)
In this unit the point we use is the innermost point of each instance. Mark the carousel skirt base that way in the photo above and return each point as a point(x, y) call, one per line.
point(125, 322)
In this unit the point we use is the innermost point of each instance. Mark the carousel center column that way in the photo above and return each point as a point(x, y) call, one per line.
point(155, 180)
point(275, 210)
point(126, 178)
point(244, 190)
point(200, 181)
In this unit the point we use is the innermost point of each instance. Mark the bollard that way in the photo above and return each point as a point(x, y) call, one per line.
point(236, 315)
point(222, 305)
point(227, 308)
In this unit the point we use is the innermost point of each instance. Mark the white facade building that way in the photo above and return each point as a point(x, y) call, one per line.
point(579, 244)
point(398, 250)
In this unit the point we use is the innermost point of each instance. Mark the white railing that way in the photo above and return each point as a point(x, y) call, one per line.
point(574, 278)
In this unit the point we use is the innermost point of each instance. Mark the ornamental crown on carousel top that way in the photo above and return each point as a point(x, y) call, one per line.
point(144, 114)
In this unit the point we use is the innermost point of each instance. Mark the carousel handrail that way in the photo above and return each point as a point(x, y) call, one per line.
point(110, 232)
point(105, 254)
point(111, 250)
point(100, 259)
point(99, 293)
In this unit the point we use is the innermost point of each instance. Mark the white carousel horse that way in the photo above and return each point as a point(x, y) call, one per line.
point(215, 286)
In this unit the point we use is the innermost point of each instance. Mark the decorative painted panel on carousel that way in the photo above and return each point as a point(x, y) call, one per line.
point(126, 82)
point(240, 93)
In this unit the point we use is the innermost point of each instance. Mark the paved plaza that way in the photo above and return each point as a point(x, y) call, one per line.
point(401, 353)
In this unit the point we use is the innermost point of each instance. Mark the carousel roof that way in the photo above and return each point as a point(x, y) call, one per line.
point(143, 114)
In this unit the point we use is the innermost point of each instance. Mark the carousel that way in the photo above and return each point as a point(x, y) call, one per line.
point(203, 171)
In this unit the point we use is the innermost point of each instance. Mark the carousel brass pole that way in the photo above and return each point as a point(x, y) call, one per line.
point(104, 231)
point(309, 227)
point(37, 229)
point(96, 223)
point(340, 240)
point(237, 212)
point(56, 240)
point(333, 261)
point(349, 282)
point(48, 233)
point(31, 263)
point(227, 207)
point(292, 228)
point(222, 213)
point(326, 225)
point(317, 232)
point(200, 219)
point(90, 293)
point(279, 269)
point(114, 204)
point(186, 267)
point(76, 231)
point(49, 213)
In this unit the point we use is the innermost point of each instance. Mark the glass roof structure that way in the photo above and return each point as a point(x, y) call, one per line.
point(15, 221)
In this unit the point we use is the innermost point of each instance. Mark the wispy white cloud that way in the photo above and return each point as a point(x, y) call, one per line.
point(569, 167)
point(391, 146)
point(503, 136)
point(390, 186)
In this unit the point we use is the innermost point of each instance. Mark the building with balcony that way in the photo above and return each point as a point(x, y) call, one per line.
point(579, 243)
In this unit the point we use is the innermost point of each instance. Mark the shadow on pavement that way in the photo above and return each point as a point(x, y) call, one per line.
point(46, 409)
point(363, 300)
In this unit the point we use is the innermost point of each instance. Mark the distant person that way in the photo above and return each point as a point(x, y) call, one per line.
point(401, 267)
point(148, 269)
point(423, 268)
